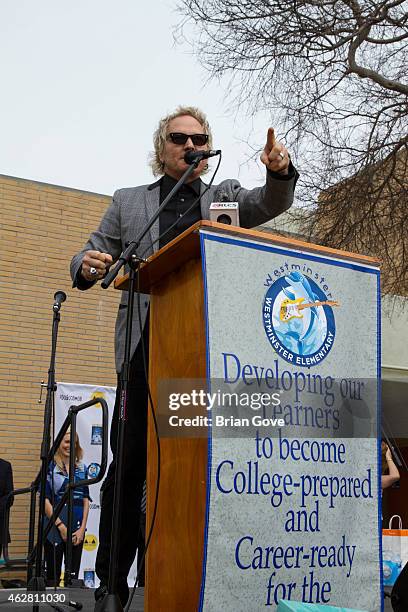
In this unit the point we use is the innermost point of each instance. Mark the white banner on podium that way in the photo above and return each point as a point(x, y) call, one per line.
point(293, 512)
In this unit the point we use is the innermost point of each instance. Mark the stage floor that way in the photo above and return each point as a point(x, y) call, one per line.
point(86, 598)
point(83, 596)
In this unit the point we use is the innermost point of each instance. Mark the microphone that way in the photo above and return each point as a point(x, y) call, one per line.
point(191, 157)
point(59, 297)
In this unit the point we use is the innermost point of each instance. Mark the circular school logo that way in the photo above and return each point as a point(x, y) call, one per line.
point(93, 470)
point(90, 541)
point(298, 320)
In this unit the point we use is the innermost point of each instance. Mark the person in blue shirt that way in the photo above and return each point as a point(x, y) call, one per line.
point(57, 481)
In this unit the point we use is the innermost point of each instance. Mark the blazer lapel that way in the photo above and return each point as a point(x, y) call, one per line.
point(206, 200)
point(152, 203)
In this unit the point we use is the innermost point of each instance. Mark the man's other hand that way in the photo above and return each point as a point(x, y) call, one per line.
point(95, 265)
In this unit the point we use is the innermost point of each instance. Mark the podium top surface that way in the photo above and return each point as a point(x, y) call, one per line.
point(187, 246)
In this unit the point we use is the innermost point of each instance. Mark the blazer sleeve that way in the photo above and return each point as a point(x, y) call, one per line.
point(106, 239)
point(261, 204)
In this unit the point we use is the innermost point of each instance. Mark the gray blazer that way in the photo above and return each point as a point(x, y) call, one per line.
point(131, 209)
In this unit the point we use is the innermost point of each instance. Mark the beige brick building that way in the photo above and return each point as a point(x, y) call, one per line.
point(41, 227)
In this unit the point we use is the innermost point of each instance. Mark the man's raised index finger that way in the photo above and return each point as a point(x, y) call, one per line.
point(270, 140)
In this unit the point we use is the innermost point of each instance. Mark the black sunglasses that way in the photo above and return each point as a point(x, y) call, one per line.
point(179, 138)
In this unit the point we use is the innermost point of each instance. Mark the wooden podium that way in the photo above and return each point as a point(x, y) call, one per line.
point(174, 279)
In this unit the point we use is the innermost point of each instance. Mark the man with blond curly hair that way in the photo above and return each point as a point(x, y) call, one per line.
point(186, 129)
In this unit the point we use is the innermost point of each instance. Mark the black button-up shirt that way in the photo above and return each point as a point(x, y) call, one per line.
point(178, 205)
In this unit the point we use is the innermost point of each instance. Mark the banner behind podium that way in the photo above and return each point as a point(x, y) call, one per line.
point(293, 511)
point(89, 428)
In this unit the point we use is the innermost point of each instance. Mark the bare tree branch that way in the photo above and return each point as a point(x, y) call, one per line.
point(333, 76)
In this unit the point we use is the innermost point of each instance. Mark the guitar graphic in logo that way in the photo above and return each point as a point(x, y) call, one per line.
point(298, 319)
point(290, 309)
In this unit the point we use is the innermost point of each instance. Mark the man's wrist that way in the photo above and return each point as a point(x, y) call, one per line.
point(81, 282)
point(290, 173)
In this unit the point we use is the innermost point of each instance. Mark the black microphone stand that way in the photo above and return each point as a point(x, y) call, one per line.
point(111, 602)
point(37, 581)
